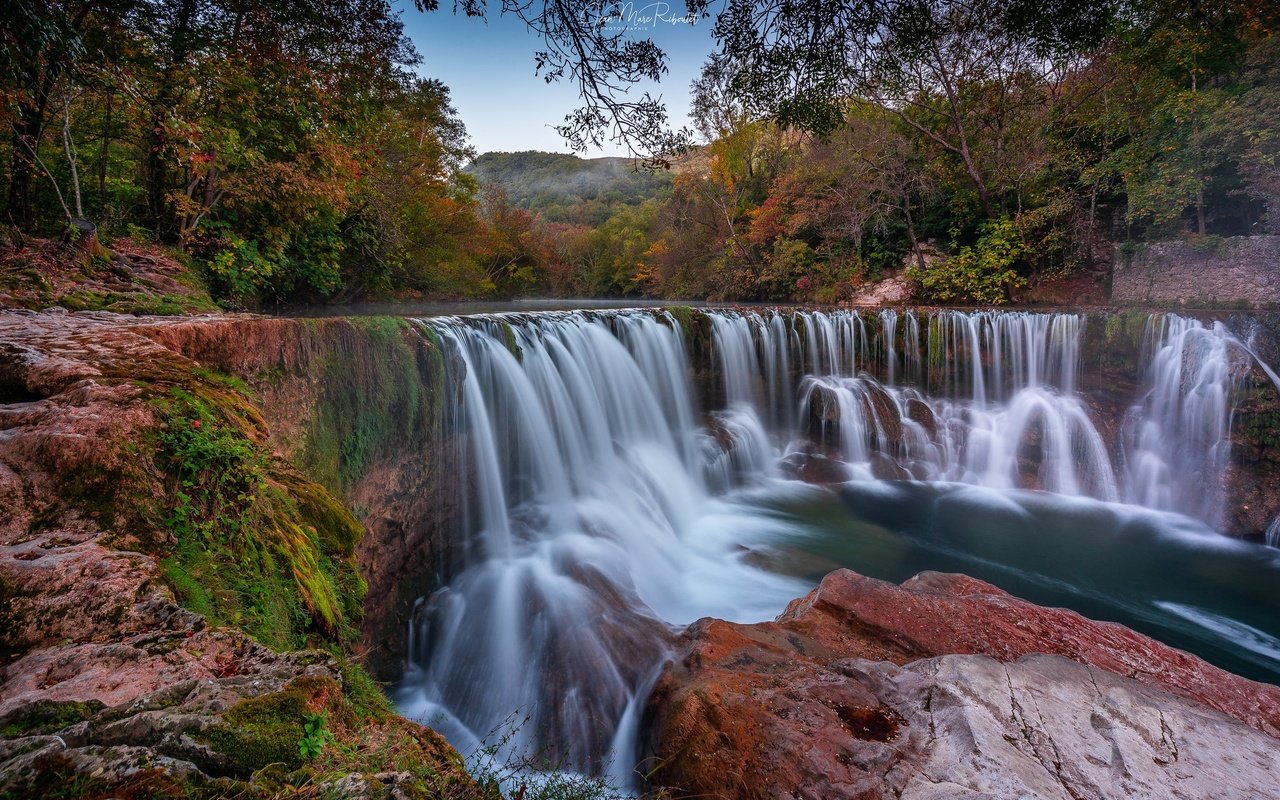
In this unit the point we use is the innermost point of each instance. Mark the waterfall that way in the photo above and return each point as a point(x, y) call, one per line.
point(1178, 436)
point(596, 533)
point(604, 508)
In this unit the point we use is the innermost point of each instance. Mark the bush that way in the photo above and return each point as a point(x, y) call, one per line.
point(983, 273)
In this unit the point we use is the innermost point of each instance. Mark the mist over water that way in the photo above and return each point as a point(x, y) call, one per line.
point(604, 508)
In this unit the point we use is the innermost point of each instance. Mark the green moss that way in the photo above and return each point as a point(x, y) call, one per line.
point(31, 286)
point(220, 379)
point(258, 546)
point(83, 300)
point(272, 376)
point(510, 340)
point(46, 716)
point(937, 351)
point(683, 316)
point(264, 730)
point(382, 326)
point(367, 699)
point(135, 302)
point(1259, 428)
point(435, 374)
point(373, 397)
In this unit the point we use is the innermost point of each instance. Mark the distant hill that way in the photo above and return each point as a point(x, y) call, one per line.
point(556, 182)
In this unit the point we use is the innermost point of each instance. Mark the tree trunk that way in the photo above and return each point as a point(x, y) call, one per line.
point(165, 101)
point(26, 138)
point(28, 128)
point(105, 152)
point(911, 233)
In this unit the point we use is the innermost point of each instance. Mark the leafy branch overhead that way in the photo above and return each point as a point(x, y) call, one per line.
point(290, 152)
point(604, 63)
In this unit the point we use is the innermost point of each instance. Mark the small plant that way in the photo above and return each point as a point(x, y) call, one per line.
point(506, 766)
point(315, 736)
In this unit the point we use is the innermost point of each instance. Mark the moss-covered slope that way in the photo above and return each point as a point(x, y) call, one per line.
point(181, 603)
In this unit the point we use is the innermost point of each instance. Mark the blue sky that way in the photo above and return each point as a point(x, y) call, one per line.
point(489, 69)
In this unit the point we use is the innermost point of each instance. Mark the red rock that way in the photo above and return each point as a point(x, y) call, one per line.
point(769, 710)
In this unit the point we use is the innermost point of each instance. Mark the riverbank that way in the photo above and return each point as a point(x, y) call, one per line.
point(181, 605)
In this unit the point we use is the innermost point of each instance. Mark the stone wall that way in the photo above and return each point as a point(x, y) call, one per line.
point(1241, 271)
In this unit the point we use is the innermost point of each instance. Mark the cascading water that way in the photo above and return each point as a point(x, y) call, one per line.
point(1178, 439)
point(604, 508)
point(594, 531)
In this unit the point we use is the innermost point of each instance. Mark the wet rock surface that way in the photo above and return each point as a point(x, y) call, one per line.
point(106, 681)
point(359, 404)
point(947, 687)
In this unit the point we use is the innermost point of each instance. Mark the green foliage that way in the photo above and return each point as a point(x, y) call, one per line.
point(368, 700)
point(314, 736)
point(239, 270)
point(566, 188)
point(982, 273)
point(333, 172)
point(218, 472)
point(255, 546)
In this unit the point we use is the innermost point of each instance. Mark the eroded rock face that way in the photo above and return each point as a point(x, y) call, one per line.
point(322, 385)
point(105, 679)
point(855, 692)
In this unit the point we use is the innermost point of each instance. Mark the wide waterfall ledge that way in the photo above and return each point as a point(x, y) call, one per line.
point(626, 472)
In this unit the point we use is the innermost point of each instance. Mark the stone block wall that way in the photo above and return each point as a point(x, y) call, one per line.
point(1241, 271)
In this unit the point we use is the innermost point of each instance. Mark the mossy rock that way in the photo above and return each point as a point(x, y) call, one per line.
point(266, 730)
point(376, 396)
point(46, 717)
point(510, 340)
point(258, 546)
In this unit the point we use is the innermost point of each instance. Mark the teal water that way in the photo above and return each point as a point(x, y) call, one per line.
point(1163, 574)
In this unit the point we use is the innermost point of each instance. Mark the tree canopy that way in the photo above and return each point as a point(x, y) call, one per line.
point(293, 153)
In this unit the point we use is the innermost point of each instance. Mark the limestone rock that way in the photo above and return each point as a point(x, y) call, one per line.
point(937, 688)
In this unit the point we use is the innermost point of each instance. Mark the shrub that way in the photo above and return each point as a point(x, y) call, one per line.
point(982, 273)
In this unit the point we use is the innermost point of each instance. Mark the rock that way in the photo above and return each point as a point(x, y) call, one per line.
point(106, 682)
point(308, 373)
point(833, 700)
point(893, 291)
point(814, 468)
point(885, 468)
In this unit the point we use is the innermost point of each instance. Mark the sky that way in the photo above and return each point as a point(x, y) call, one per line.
point(489, 68)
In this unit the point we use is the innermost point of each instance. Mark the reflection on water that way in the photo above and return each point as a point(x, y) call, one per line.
point(1166, 575)
point(424, 308)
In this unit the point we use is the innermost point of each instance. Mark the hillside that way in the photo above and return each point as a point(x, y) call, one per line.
point(556, 184)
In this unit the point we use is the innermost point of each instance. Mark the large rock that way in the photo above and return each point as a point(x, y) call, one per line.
point(359, 404)
point(857, 691)
point(107, 683)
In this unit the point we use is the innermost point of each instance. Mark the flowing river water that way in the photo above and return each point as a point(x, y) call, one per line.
point(609, 500)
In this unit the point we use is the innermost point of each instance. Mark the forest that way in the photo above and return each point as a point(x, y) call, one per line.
point(290, 153)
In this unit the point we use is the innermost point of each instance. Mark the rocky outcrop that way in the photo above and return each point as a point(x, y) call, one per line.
point(129, 277)
point(946, 686)
point(147, 528)
point(892, 291)
point(357, 404)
